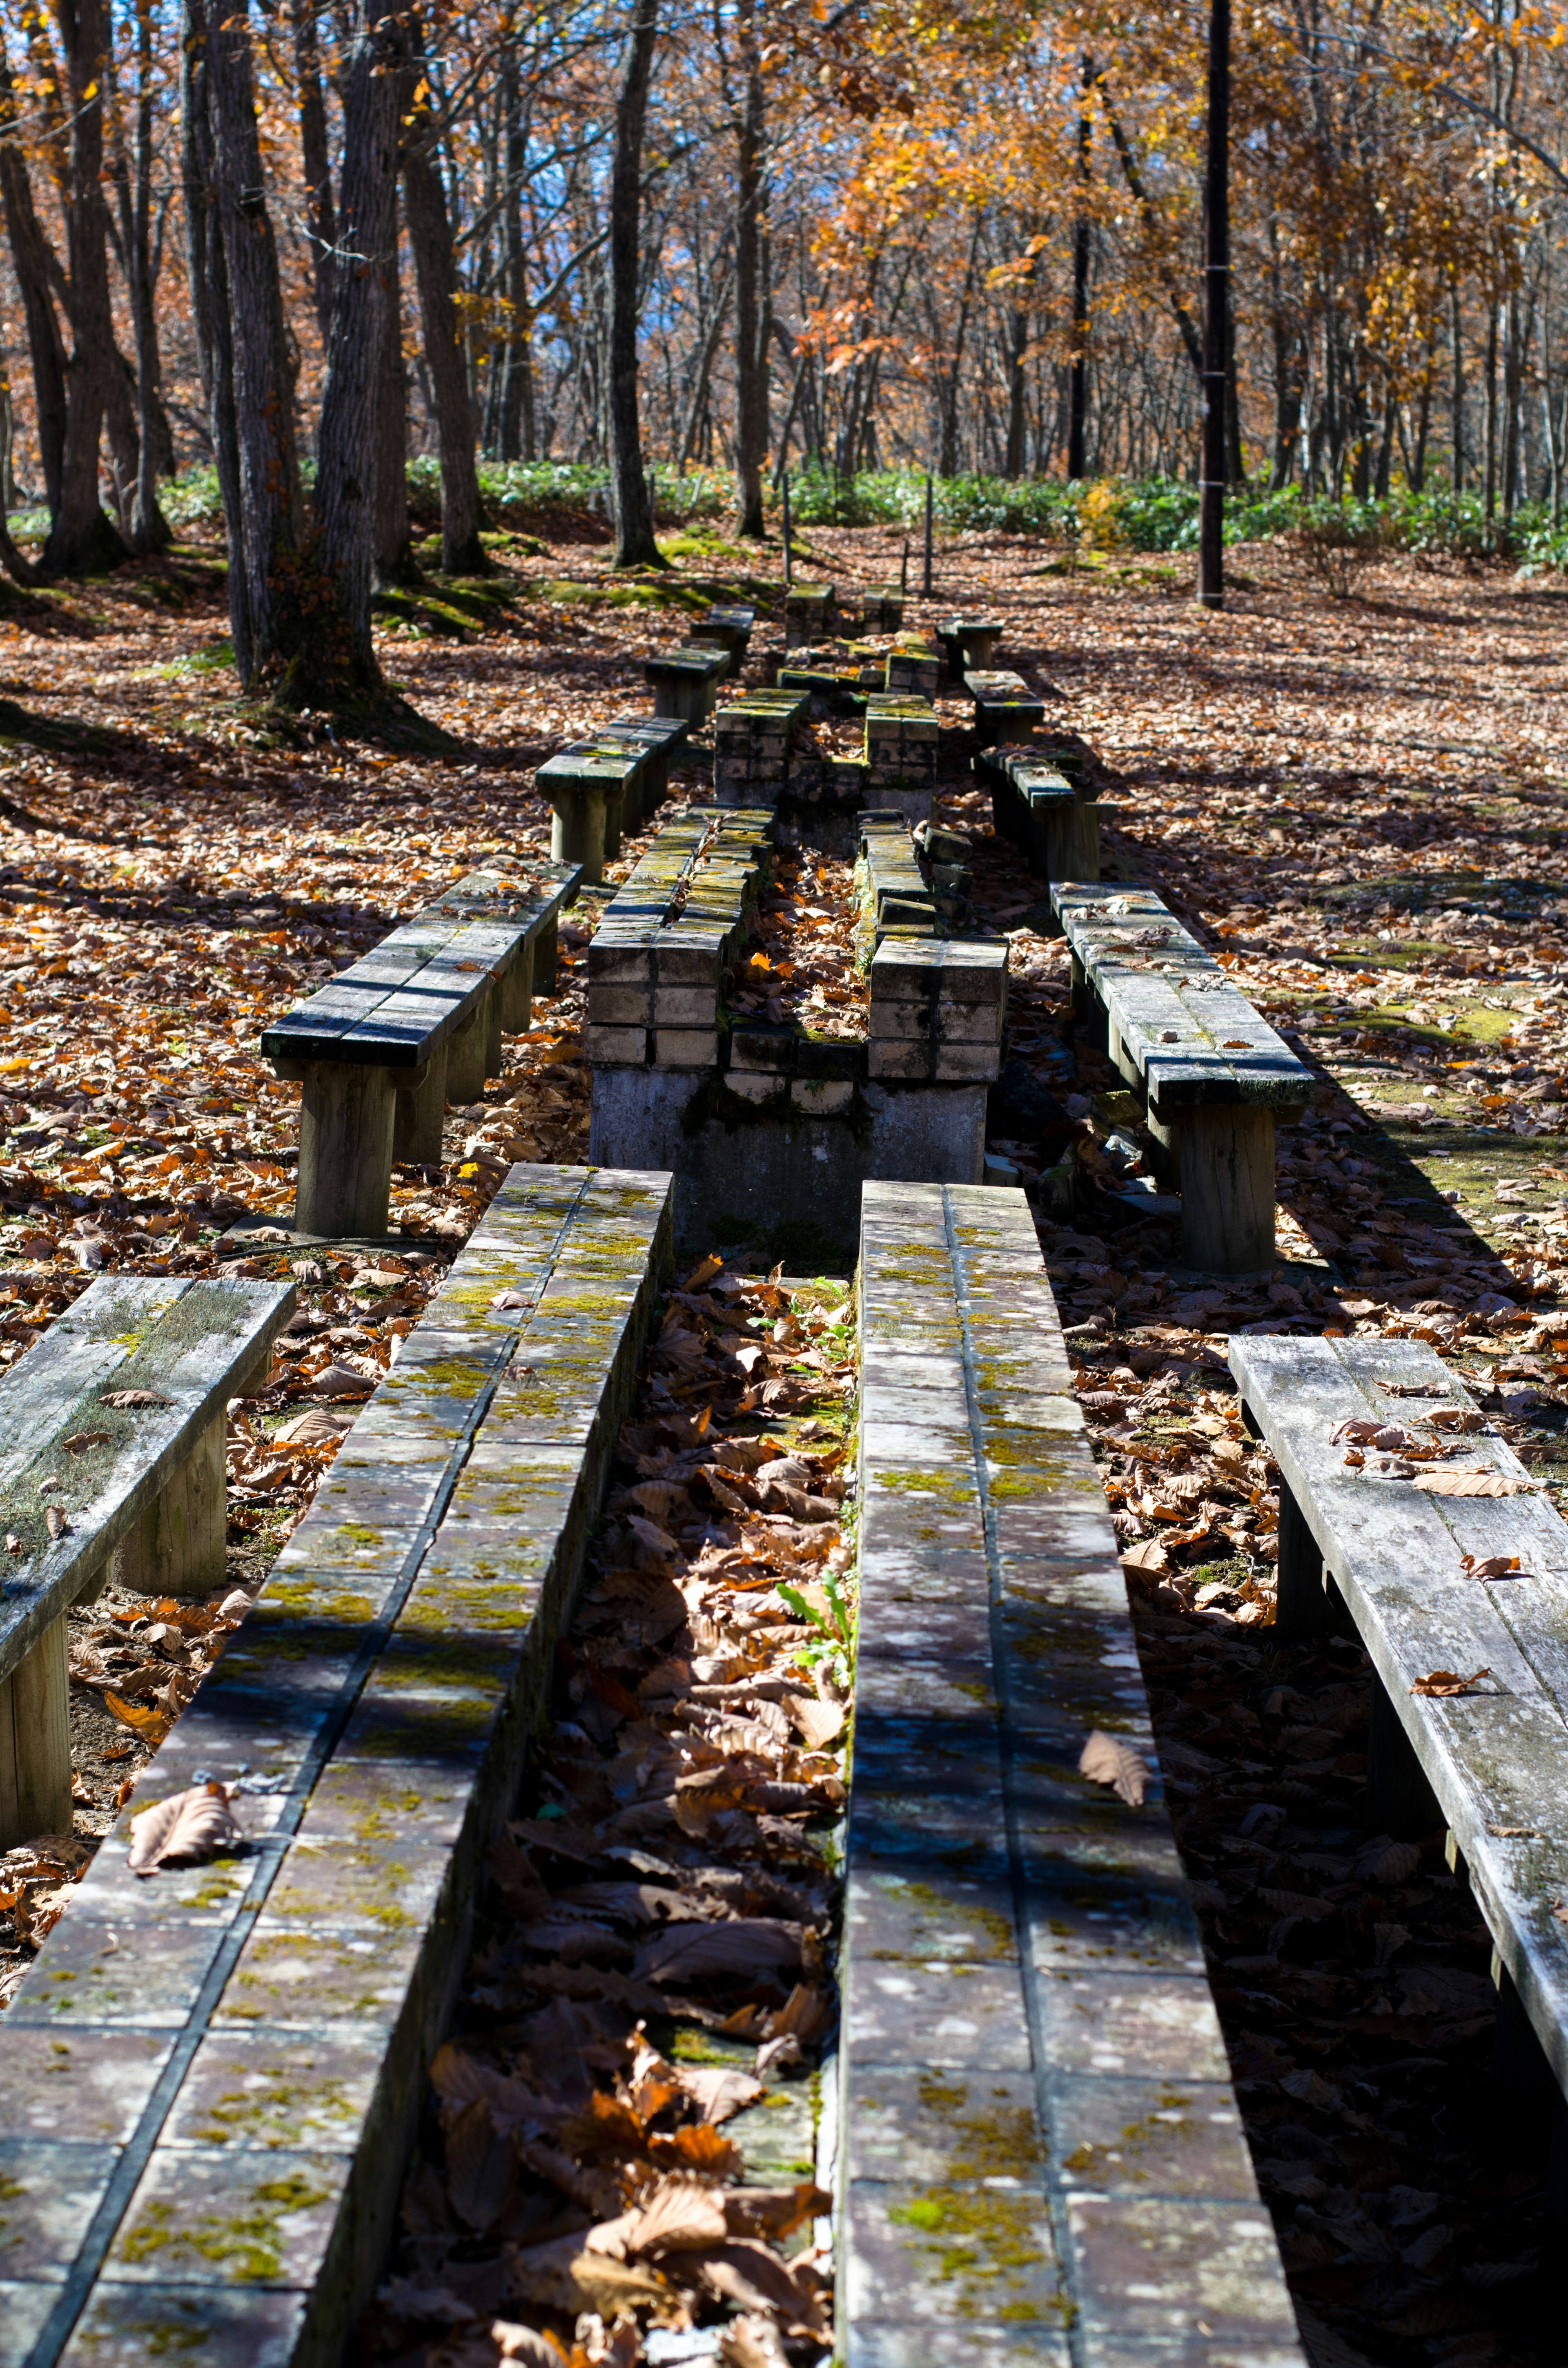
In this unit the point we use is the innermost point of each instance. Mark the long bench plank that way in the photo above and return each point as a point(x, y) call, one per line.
point(215, 2074)
point(1039, 2129)
point(1214, 1072)
point(141, 1486)
point(1495, 1757)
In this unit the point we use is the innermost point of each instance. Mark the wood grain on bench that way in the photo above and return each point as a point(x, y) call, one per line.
point(140, 1486)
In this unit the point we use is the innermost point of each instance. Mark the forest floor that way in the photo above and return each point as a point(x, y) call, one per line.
point(1362, 802)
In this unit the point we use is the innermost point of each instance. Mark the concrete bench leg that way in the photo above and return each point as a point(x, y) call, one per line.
point(577, 834)
point(491, 1022)
point(1400, 1801)
point(177, 1547)
point(467, 1053)
point(35, 1742)
point(546, 948)
point(1304, 1606)
point(518, 993)
point(346, 1149)
point(1227, 1189)
point(615, 820)
point(1165, 1137)
point(417, 1130)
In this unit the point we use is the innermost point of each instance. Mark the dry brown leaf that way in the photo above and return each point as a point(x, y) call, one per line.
point(80, 1441)
point(340, 1382)
point(746, 2272)
point(717, 2091)
point(1441, 1483)
point(679, 2216)
point(1105, 1761)
point(123, 1399)
point(752, 2341)
point(818, 1723)
point(185, 1830)
point(608, 2286)
point(479, 2167)
point(316, 1426)
point(149, 1724)
point(774, 2211)
point(1494, 1565)
point(55, 1520)
point(747, 1945)
point(1448, 1681)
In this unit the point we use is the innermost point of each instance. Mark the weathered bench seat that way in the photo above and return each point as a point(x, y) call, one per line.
point(1215, 1074)
point(684, 681)
point(728, 630)
point(1490, 1764)
point(1024, 1985)
point(214, 2076)
point(1050, 816)
point(382, 1049)
point(1005, 706)
point(968, 644)
point(141, 1488)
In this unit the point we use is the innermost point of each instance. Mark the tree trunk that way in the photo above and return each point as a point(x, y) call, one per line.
point(1490, 494)
point(393, 540)
point(1018, 384)
point(634, 544)
point(334, 663)
point(1456, 396)
point(751, 358)
point(149, 527)
point(1078, 368)
point(269, 512)
point(321, 226)
point(1215, 312)
point(208, 281)
point(80, 536)
point(435, 269)
point(30, 257)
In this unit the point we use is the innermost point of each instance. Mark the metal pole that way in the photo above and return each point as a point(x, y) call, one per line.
point(904, 571)
point(927, 578)
point(788, 562)
point(1216, 313)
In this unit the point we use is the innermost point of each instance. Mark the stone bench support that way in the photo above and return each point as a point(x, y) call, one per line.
point(147, 1502)
point(230, 2062)
point(1050, 816)
point(968, 644)
point(684, 681)
point(1019, 1953)
point(1005, 706)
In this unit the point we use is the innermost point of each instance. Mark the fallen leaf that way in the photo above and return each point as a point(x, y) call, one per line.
point(1448, 1681)
point(55, 1520)
point(749, 1945)
point(121, 1400)
point(1493, 1566)
point(535, 2350)
point(1104, 1760)
point(79, 1442)
point(340, 1382)
point(1440, 1483)
point(185, 1830)
point(314, 1427)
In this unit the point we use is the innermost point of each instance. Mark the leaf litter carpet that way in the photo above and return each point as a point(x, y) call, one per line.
point(1360, 806)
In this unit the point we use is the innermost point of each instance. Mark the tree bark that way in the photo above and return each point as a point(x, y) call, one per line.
point(393, 540)
point(138, 428)
point(334, 663)
point(209, 282)
point(1078, 370)
point(1215, 312)
point(435, 269)
point(30, 257)
point(634, 544)
point(1017, 388)
point(269, 519)
point(80, 536)
point(751, 358)
point(320, 215)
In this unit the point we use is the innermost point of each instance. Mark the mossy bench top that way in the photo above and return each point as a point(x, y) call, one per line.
point(178, 1349)
point(1497, 1754)
point(1037, 2112)
point(397, 1004)
point(1193, 1037)
point(228, 2062)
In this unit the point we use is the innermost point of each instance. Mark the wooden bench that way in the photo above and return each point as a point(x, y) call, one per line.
point(968, 644)
point(231, 2061)
point(141, 1488)
point(683, 681)
point(383, 1047)
point(728, 630)
point(1024, 1986)
point(658, 737)
point(1005, 706)
point(590, 786)
point(1490, 1764)
point(1215, 1076)
point(1051, 817)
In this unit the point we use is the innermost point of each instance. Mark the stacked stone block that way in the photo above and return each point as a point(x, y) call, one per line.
point(656, 962)
point(751, 745)
point(938, 1008)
